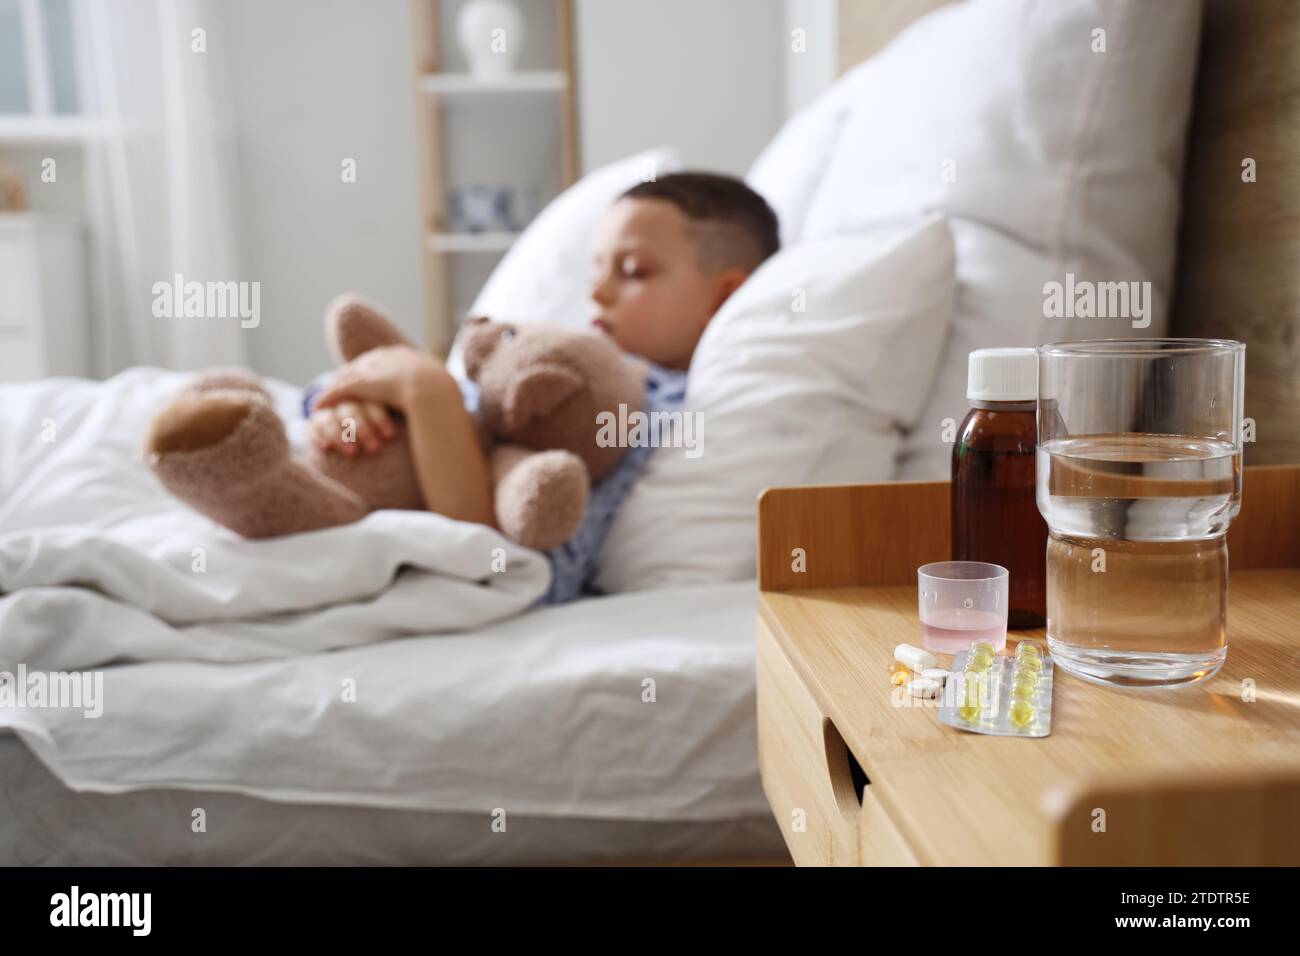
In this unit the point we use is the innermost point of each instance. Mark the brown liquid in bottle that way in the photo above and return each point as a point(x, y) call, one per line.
point(995, 517)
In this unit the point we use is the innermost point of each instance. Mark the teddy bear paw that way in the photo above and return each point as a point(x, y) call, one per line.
point(542, 500)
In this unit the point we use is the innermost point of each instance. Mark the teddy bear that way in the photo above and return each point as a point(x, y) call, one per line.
point(220, 447)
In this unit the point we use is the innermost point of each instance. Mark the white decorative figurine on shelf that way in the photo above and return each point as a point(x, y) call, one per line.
point(491, 36)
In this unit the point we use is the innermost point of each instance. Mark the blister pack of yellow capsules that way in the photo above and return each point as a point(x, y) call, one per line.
point(989, 693)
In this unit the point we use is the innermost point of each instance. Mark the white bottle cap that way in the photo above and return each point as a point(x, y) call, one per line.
point(1002, 375)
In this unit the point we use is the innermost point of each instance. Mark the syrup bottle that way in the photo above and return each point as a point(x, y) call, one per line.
point(995, 516)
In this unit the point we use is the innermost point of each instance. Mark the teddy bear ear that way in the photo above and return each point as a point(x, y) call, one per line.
point(539, 391)
point(479, 337)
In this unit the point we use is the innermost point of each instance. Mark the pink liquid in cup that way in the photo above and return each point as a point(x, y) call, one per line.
point(953, 629)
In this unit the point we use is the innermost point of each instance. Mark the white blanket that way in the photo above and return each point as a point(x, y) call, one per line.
point(98, 563)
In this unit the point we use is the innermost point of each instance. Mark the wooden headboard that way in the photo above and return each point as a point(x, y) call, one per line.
point(1239, 242)
point(863, 27)
point(1238, 272)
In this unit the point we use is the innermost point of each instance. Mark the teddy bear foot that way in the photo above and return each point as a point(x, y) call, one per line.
point(541, 496)
point(224, 452)
point(354, 325)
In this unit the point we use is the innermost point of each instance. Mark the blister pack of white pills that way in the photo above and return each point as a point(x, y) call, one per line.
point(990, 693)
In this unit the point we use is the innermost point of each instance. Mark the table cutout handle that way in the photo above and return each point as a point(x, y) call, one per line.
point(846, 776)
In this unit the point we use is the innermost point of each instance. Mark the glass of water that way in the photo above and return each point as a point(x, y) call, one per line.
point(1139, 476)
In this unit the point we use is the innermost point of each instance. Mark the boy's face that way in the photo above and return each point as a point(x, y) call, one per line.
point(649, 292)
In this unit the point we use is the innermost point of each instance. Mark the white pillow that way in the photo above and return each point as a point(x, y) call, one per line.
point(546, 275)
point(790, 168)
point(789, 397)
point(1063, 160)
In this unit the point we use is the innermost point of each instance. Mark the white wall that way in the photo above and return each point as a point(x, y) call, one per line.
point(317, 81)
point(706, 76)
point(811, 68)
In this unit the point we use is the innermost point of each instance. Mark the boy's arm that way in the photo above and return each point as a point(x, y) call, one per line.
point(449, 462)
point(450, 466)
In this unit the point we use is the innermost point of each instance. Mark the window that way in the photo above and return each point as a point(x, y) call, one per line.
point(37, 73)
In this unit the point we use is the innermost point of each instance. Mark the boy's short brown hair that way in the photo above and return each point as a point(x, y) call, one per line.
point(734, 225)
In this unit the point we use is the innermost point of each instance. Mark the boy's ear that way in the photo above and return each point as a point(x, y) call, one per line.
point(729, 280)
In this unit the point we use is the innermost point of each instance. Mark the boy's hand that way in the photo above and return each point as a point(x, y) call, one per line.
point(390, 376)
point(351, 428)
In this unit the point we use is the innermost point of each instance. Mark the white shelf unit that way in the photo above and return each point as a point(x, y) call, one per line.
point(449, 242)
point(438, 88)
point(49, 130)
point(42, 296)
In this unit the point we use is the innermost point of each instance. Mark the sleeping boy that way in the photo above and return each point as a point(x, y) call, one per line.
point(667, 255)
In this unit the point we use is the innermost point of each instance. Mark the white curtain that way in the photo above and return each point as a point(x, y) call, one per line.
point(162, 182)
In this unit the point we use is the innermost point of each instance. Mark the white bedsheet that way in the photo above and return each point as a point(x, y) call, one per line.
point(269, 675)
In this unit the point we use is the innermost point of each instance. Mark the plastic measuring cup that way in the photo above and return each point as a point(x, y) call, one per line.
point(961, 602)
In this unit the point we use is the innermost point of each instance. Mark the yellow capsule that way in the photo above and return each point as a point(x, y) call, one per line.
point(970, 706)
point(1028, 649)
point(982, 647)
point(979, 661)
point(1022, 714)
point(1026, 673)
point(1029, 665)
point(1029, 656)
point(1023, 690)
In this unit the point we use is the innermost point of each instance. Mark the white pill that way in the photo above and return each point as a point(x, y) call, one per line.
point(924, 687)
point(917, 658)
point(935, 673)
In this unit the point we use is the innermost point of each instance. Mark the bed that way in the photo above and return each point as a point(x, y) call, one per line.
point(619, 728)
point(252, 710)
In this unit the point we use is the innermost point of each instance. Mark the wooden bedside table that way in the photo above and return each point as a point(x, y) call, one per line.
point(1193, 775)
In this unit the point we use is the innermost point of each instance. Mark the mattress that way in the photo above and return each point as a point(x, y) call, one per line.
point(43, 823)
point(613, 727)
